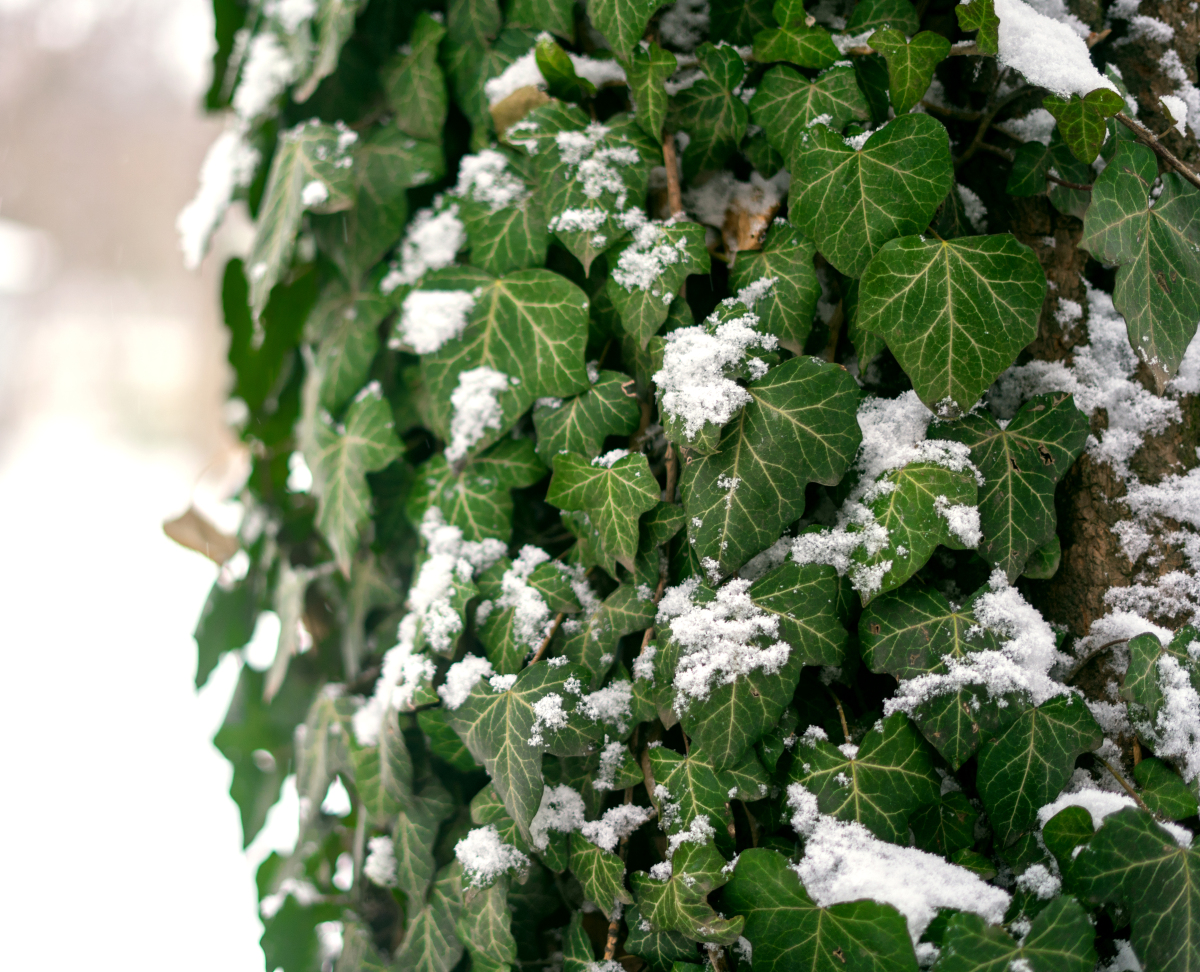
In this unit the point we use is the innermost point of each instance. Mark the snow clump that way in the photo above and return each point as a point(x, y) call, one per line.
point(485, 857)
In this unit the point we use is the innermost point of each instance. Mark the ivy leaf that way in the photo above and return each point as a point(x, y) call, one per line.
point(334, 23)
point(981, 15)
point(1163, 791)
point(556, 16)
point(349, 343)
point(786, 103)
point(799, 427)
point(788, 931)
point(507, 648)
point(680, 903)
point(890, 775)
point(799, 44)
point(477, 499)
point(383, 774)
point(1133, 861)
point(622, 22)
point(1140, 683)
point(1084, 121)
point(910, 509)
point(472, 63)
point(624, 611)
point(485, 926)
point(1059, 939)
point(694, 789)
point(939, 305)
point(910, 63)
point(601, 873)
point(581, 424)
point(473, 21)
point(530, 326)
point(1028, 765)
point(786, 258)
point(647, 273)
point(1021, 464)
point(646, 68)
point(898, 14)
point(307, 156)
point(739, 20)
point(342, 458)
point(946, 826)
point(660, 949)
point(850, 203)
point(1158, 276)
point(430, 941)
point(714, 117)
point(804, 599)
point(1065, 831)
point(559, 73)
point(444, 742)
point(613, 496)
point(506, 238)
point(871, 72)
point(415, 85)
point(413, 840)
point(487, 808)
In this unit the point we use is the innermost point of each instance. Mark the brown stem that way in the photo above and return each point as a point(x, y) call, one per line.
point(610, 946)
point(956, 113)
point(1125, 785)
point(996, 150)
point(1093, 38)
point(1081, 186)
point(841, 713)
point(558, 619)
point(986, 122)
point(1147, 138)
point(672, 472)
point(1089, 656)
point(674, 196)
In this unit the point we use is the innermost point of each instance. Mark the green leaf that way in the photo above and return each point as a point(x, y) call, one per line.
point(1065, 831)
point(910, 63)
point(786, 258)
point(1158, 276)
point(531, 326)
point(788, 931)
point(737, 21)
point(289, 938)
point(981, 15)
point(1021, 464)
point(694, 788)
point(443, 741)
point(478, 499)
point(366, 442)
point(359, 953)
point(660, 949)
point(1059, 940)
point(413, 839)
point(850, 203)
point(946, 826)
point(556, 16)
point(890, 775)
point(334, 23)
point(622, 22)
point(1031, 163)
point(559, 73)
point(1084, 121)
point(322, 750)
point(647, 273)
point(939, 305)
point(799, 427)
point(507, 645)
point(714, 117)
point(1163, 791)
point(475, 22)
point(601, 873)
point(503, 235)
point(799, 44)
point(415, 85)
point(1043, 563)
point(647, 67)
point(430, 942)
point(309, 171)
point(1133, 861)
point(1028, 765)
point(898, 14)
point(383, 774)
point(485, 927)
point(680, 903)
point(613, 496)
point(581, 424)
point(226, 622)
point(349, 343)
point(786, 103)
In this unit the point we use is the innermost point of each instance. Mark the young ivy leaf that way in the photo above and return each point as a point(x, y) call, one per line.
point(1021, 464)
point(955, 314)
point(981, 15)
point(613, 496)
point(1059, 938)
point(1133, 861)
point(786, 258)
point(600, 872)
point(1163, 791)
point(312, 169)
point(910, 63)
point(799, 44)
point(1084, 121)
point(556, 16)
point(1029, 764)
point(680, 903)
point(714, 116)
point(646, 68)
point(477, 499)
point(343, 456)
point(581, 424)
point(415, 85)
point(661, 949)
point(786, 103)
point(559, 72)
point(897, 14)
point(788, 930)
point(890, 775)
point(799, 427)
point(622, 22)
point(1156, 244)
point(850, 203)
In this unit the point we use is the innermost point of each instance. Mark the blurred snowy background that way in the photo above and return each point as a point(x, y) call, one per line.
point(124, 845)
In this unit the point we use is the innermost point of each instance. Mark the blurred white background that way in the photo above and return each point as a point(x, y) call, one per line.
point(124, 847)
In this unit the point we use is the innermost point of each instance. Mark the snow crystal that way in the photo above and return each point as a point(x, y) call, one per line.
point(643, 665)
point(963, 521)
point(1177, 726)
point(685, 24)
point(380, 866)
point(532, 620)
point(461, 679)
point(717, 638)
point(1098, 803)
point(484, 856)
point(561, 810)
point(744, 950)
point(1178, 111)
point(330, 941)
point(524, 72)
point(1125, 960)
point(616, 824)
point(1186, 91)
point(612, 755)
point(805, 813)
point(595, 168)
point(1050, 54)
point(431, 242)
point(476, 408)
point(548, 713)
point(974, 208)
point(228, 165)
point(692, 386)
point(843, 861)
point(646, 258)
point(1151, 28)
point(1038, 880)
point(1037, 126)
point(314, 193)
point(486, 178)
point(610, 705)
point(609, 458)
point(268, 69)
point(430, 318)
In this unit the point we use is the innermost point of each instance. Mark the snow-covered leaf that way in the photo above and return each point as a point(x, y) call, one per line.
point(786, 259)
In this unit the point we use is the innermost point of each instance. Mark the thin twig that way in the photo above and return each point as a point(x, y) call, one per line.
point(835, 329)
point(672, 473)
point(1125, 785)
point(996, 150)
point(956, 113)
point(360, 839)
point(674, 195)
point(1089, 656)
point(1147, 138)
point(558, 619)
point(841, 713)
point(986, 121)
point(1081, 186)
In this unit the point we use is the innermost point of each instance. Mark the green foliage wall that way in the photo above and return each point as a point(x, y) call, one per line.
point(651, 545)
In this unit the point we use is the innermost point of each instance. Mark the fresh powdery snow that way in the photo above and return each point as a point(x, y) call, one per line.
point(532, 620)
point(1176, 729)
point(642, 262)
point(718, 639)
point(380, 866)
point(1178, 111)
point(430, 318)
point(1037, 126)
point(1098, 803)
point(485, 857)
point(268, 69)
point(461, 679)
point(487, 179)
point(610, 458)
point(476, 408)
point(524, 72)
point(229, 165)
point(684, 24)
point(617, 823)
point(432, 240)
point(561, 811)
point(1049, 53)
